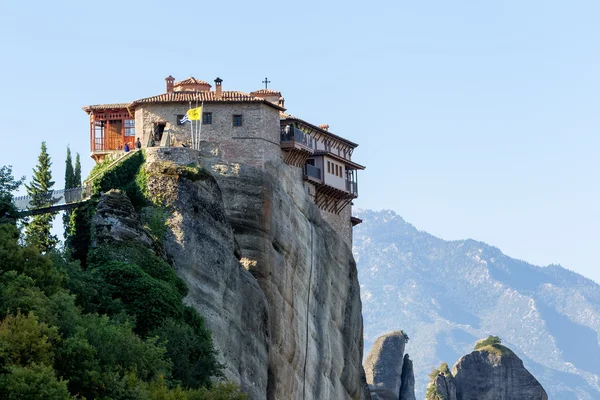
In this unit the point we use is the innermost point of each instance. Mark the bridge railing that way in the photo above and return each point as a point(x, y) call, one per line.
point(52, 198)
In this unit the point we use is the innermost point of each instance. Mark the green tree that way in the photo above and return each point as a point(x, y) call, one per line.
point(33, 382)
point(77, 173)
point(8, 184)
point(69, 171)
point(24, 340)
point(38, 229)
point(69, 184)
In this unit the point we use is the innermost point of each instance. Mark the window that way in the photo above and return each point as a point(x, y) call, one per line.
point(237, 120)
point(337, 170)
point(179, 118)
point(207, 118)
point(130, 127)
point(328, 167)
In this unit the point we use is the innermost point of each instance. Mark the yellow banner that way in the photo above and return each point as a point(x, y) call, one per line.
point(194, 114)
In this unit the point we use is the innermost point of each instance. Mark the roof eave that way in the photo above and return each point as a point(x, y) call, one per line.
point(348, 142)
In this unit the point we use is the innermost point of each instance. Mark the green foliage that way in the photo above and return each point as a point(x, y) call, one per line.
point(127, 175)
point(53, 345)
point(433, 393)
point(220, 391)
point(69, 184)
point(155, 219)
point(80, 233)
point(492, 344)
point(441, 370)
point(192, 354)
point(69, 171)
point(151, 301)
point(489, 341)
point(38, 230)
point(141, 256)
point(77, 172)
point(24, 340)
point(8, 184)
point(103, 354)
point(27, 260)
point(32, 382)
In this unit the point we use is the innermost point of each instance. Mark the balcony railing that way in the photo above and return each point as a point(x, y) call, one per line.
point(313, 172)
point(352, 187)
point(290, 133)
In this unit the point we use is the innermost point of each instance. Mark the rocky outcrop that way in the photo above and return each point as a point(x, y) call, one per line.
point(285, 313)
point(389, 372)
point(442, 387)
point(407, 389)
point(116, 221)
point(495, 372)
point(383, 366)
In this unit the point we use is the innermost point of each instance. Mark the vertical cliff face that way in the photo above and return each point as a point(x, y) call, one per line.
point(442, 387)
point(276, 284)
point(389, 372)
point(491, 374)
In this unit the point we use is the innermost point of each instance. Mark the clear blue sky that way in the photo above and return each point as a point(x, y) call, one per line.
point(475, 119)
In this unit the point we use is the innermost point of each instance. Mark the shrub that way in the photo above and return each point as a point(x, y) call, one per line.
point(492, 344)
point(24, 340)
point(33, 382)
point(490, 341)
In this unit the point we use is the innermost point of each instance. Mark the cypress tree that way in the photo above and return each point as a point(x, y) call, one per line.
point(69, 184)
point(69, 172)
point(77, 179)
point(38, 229)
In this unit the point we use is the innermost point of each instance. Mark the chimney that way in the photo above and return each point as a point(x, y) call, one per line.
point(325, 127)
point(218, 87)
point(170, 81)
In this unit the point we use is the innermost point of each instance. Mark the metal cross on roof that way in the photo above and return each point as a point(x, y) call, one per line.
point(266, 82)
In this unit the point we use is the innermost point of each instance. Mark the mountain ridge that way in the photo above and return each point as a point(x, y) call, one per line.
point(446, 294)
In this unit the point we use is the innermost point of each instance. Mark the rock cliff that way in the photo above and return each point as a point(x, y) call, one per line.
point(442, 387)
point(407, 390)
point(495, 372)
point(388, 370)
point(275, 283)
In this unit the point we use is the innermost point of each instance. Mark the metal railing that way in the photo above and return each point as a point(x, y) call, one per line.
point(52, 198)
point(352, 187)
point(290, 133)
point(313, 172)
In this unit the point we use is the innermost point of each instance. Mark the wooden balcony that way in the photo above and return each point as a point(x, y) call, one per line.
point(297, 145)
point(330, 198)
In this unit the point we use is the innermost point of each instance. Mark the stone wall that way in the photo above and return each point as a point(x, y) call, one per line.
point(255, 142)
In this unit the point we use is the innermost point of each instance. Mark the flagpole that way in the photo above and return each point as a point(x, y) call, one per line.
point(197, 147)
point(201, 121)
point(191, 127)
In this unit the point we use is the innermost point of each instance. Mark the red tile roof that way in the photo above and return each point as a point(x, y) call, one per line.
point(266, 91)
point(191, 81)
point(284, 117)
point(105, 106)
point(229, 96)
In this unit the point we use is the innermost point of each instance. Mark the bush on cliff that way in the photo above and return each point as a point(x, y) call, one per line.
point(54, 344)
point(493, 344)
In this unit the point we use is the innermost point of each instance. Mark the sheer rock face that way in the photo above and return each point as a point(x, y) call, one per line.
point(385, 369)
point(286, 316)
point(483, 375)
point(407, 390)
point(117, 221)
point(446, 387)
